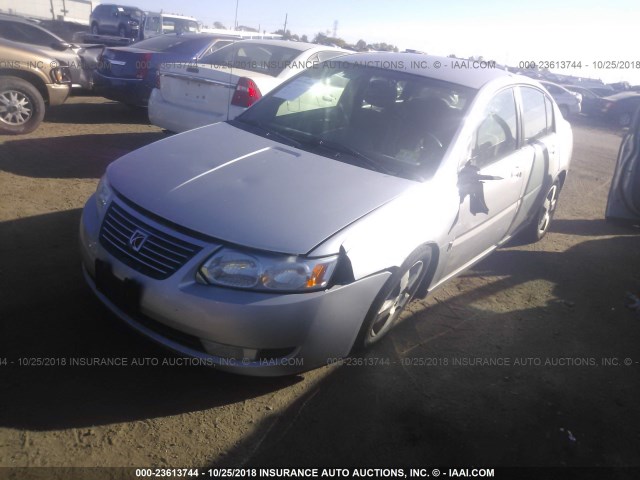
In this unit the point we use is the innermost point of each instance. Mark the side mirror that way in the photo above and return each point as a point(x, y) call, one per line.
point(60, 46)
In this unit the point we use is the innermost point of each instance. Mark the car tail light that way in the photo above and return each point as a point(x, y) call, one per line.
point(142, 66)
point(247, 93)
point(606, 106)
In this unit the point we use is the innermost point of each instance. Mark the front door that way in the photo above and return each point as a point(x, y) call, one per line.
point(490, 196)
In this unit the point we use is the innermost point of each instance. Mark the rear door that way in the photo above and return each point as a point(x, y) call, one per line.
point(539, 136)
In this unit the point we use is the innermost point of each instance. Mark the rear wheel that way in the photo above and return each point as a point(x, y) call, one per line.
point(122, 32)
point(21, 106)
point(394, 297)
point(539, 225)
point(624, 119)
point(95, 30)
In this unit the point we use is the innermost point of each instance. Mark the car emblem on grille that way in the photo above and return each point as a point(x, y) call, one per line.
point(136, 241)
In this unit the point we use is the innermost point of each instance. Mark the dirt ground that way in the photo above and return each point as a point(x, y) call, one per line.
point(520, 362)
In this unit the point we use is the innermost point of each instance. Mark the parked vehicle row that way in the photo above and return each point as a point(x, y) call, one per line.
point(129, 74)
point(570, 103)
point(134, 24)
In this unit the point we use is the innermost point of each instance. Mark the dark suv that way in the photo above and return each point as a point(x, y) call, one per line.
point(111, 19)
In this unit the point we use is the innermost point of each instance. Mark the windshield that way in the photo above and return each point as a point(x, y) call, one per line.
point(131, 12)
point(179, 25)
point(189, 45)
point(256, 57)
point(381, 119)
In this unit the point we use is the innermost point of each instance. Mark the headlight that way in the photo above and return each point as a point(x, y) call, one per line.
point(60, 74)
point(232, 268)
point(104, 194)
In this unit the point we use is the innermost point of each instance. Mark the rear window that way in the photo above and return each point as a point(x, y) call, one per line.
point(20, 32)
point(174, 44)
point(259, 58)
point(132, 12)
point(537, 123)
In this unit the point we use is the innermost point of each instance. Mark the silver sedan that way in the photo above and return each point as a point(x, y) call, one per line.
point(298, 232)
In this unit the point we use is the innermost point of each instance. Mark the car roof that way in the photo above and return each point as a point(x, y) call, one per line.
point(18, 18)
point(120, 5)
point(302, 46)
point(623, 95)
point(27, 21)
point(423, 65)
point(191, 35)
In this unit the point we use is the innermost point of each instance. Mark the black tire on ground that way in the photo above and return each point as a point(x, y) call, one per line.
point(624, 119)
point(393, 298)
point(122, 32)
point(95, 30)
point(539, 225)
point(21, 106)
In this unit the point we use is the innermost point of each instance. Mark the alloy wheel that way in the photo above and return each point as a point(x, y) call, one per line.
point(399, 297)
point(15, 107)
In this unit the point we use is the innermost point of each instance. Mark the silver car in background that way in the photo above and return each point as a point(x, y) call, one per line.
point(226, 82)
point(299, 231)
point(570, 103)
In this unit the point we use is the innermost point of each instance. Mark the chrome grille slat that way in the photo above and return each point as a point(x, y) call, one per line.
point(134, 258)
point(161, 254)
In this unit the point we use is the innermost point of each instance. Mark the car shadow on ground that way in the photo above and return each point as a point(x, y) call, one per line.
point(49, 316)
point(593, 227)
point(412, 405)
point(76, 156)
point(97, 112)
point(597, 122)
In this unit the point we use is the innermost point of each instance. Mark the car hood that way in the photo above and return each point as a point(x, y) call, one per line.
point(239, 187)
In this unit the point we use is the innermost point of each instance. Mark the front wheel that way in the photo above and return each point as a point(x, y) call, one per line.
point(539, 225)
point(21, 106)
point(122, 32)
point(94, 29)
point(394, 297)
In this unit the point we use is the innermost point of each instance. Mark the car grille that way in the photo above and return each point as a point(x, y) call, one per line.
point(142, 247)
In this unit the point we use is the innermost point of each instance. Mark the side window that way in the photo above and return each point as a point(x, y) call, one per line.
point(551, 128)
point(495, 138)
point(534, 113)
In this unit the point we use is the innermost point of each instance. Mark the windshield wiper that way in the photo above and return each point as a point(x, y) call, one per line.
point(345, 149)
point(268, 132)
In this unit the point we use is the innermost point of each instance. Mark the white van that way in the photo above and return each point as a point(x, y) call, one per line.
point(160, 23)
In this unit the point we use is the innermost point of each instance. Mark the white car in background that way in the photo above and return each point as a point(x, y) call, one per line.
point(224, 84)
point(569, 103)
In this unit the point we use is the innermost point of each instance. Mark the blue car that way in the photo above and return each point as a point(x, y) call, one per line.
point(128, 74)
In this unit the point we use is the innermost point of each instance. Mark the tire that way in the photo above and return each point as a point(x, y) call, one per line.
point(539, 226)
point(21, 106)
point(122, 32)
point(95, 30)
point(393, 298)
point(624, 119)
